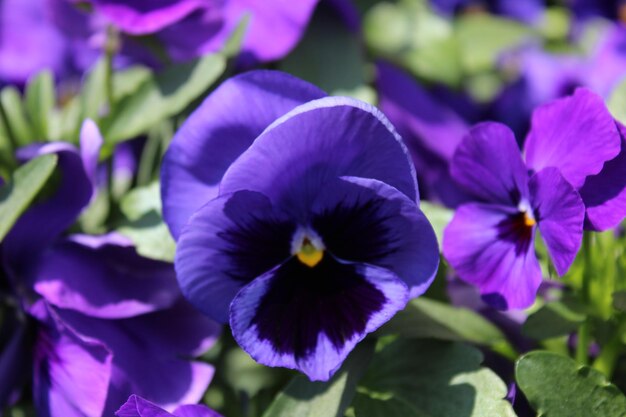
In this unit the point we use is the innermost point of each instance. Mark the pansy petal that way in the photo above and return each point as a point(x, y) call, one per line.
point(120, 283)
point(15, 357)
point(71, 372)
point(317, 142)
point(140, 17)
point(604, 194)
point(575, 134)
point(223, 127)
point(152, 352)
point(560, 213)
point(139, 407)
point(488, 248)
point(195, 410)
point(488, 164)
point(308, 318)
point(227, 243)
point(367, 221)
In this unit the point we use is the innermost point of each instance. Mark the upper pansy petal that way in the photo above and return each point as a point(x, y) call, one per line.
point(310, 318)
point(140, 17)
point(491, 247)
point(575, 134)
point(222, 128)
point(227, 243)
point(152, 352)
point(121, 283)
point(71, 372)
point(317, 142)
point(560, 213)
point(488, 165)
point(367, 221)
point(604, 194)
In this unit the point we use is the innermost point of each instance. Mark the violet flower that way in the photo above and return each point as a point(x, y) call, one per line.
point(125, 330)
point(490, 241)
point(296, 219)
point(139, 407)
point(529, 11)
point(190, 28)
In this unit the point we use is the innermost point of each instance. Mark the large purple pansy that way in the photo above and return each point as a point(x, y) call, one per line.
point(309, 214)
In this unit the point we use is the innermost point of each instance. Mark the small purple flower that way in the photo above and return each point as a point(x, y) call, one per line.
point(189, 28)
point(139, 407)
point(529, 11)
point(296, 219)
point(127, 329)
point(490, 240)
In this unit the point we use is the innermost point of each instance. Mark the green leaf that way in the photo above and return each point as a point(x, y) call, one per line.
point(617, 102)
point(438, 216)
point(160, 96)
point(556, 386)
point(40, 99)
point(482, 38)
point(144, 223)
point(552, 320)
point(427, 378)
point(426, 318)
point(303, 398)
point(329, 55)
point(16, 121)
point(26, 183)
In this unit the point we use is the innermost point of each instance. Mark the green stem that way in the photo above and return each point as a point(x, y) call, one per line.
point(584, 331)
point(605, 362)
point(110, 49)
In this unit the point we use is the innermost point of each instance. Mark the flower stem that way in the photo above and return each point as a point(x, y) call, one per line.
point(110, 49)
point(605, 362)
point(584, 331)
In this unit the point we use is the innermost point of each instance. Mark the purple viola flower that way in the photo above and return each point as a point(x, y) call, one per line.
point(139, 407)
point(190, 28)
point(125, 330)
point(296, 219)
point(490, 240)
point(529, 11)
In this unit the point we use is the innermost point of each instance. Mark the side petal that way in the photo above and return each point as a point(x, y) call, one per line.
point(604, 194)
point(488, 165)
point(575, 134)
point(309, 319)
point(560, 213)
point(121, 283)
point(367, 221)
point(222, 128)
point(152, 354)
point(488, 249)
point(317, 142)
point(227, 243)
point(71, 372)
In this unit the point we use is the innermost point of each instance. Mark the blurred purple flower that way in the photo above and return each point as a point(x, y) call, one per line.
point(125, 330)
point(610, 9)
point(139, 407)
point(490, 241)
point(529, 11)
point(296, 219)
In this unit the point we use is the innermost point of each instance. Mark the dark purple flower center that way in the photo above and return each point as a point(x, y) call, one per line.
point(518, 228)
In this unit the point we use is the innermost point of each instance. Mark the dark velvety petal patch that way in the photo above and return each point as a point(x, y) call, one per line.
point(308, 318)
point(302, 302)
point(515, 230)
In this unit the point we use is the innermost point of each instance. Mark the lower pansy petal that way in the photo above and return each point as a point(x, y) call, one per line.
point(560, 213)
point(366, 221)
point(317, 142)
point(491, 247)
point(71, 372)
point(121, 283)
point(140, 407)
point(604, 194)
point(310, 318)
point(227, 243)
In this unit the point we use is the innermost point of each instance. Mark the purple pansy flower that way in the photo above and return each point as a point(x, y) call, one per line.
point(296, 219)
point(189, 28)
point(139, 407)
point(125, 330)
point(529, 11)
point(490, 240)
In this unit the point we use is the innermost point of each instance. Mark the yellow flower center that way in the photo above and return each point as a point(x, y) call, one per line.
point(529, 221)
point(309, 254)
